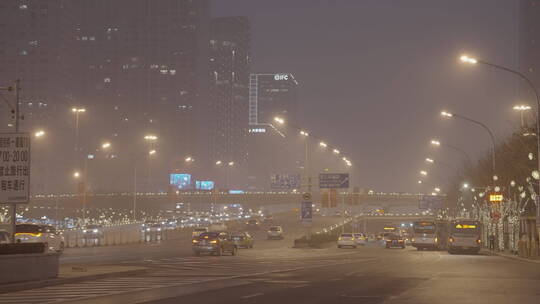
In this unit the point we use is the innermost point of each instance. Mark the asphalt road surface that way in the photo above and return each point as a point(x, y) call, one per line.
point(273, 272)
point(182, 246)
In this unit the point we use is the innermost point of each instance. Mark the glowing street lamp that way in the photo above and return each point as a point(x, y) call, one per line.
point(77, 111)
point(151, 152)
point(446, 114)
point(430, 160)
point(437, 189)
point(106, 145)
point(39, 133)
point(323, 144)
point(189, 159)
point(435, 142)
point(219, 163)
point(279, 120)
point(76, 174)
point(424, 173)
point(304, 133)
point(150, 137)
point(336, 151)
point(231, 163)
point(419, 182)
point(468, 59)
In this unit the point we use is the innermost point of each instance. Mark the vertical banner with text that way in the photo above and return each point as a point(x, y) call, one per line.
point(14, 168)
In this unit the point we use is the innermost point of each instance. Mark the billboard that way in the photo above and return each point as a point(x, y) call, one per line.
point(284, 181)
point(181, 181)
point(204, 185)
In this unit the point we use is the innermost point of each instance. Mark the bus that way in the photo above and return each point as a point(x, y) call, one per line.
point(464, 236)
point(425, 235)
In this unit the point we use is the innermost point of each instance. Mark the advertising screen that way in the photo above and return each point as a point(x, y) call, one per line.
point(204, 185)
point(181, 181)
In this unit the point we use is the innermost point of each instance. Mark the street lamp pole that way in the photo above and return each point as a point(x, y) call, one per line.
point(471, 60)
point(482, 125)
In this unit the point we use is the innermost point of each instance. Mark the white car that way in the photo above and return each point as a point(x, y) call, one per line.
point(360, 239)
point(32, 233)
point(275, 232)
point(346, 240)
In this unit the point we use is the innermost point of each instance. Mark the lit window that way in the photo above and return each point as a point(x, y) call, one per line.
point(172, 72)
point(107, 80)
point(163, 72)
point(33, 42)
point(24, 52)
point(92, 38)
point(84, 38)
point(23, 6)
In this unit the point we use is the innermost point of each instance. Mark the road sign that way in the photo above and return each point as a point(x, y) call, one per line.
point(430, 202)
point(306, 212)
point(284, 181)
point(14, 168)
point(306, 196)
point(334, 180)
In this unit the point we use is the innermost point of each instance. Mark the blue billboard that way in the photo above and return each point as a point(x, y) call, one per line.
point(181, 181)
point(204, 185)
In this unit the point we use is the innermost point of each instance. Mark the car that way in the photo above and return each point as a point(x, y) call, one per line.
point(268, 219)
point(4, 237)
point(253, 224)
point(92, 233)
point(346, 240)
point(242, 239)
point(197, 231)
point(215, 243)
point(34, 233)
point(360, 239)
point(152, 232)
point(394, 240)
point(275, 232)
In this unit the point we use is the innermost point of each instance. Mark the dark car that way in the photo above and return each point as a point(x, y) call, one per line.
point(394, 240)
point(216, 243)
point(242, 239)
point(253, 224)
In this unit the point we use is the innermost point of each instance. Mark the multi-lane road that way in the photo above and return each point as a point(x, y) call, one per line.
point(273, 272)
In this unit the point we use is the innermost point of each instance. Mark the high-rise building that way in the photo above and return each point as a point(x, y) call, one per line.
point(272, 95)
point(529, 45)
point(36, 48)
point(270, 153)
point(137, 66)
point(229, 79)
point(142, 66)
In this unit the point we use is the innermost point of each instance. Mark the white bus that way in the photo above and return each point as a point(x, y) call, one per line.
point(425, 235)
point(464, 236)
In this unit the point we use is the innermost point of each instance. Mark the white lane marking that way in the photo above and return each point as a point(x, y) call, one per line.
point(300, 286)
point(252, 295)
point(286, 282)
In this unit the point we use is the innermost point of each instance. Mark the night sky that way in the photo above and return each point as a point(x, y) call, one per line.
point(375, 74)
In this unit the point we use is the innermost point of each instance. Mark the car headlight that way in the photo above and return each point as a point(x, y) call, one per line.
point(147, 229)
point(159, 229)
point(84, 231)
point(95, 231)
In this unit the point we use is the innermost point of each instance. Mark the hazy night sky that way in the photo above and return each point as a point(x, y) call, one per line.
point(375, 74)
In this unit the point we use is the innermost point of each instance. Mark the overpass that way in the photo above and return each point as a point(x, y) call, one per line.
point(248, 199)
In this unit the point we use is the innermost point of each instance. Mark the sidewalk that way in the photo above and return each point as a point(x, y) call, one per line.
point(74, 274)
point(508, 255)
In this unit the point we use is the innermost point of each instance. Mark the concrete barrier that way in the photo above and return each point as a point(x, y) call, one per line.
point(28, 267)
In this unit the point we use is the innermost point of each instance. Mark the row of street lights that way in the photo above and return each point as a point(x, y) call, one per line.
point(306, 135)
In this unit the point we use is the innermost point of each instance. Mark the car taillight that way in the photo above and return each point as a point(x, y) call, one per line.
point(213, 242)
point(479, 241)
point(451, 239)
point(195, 241)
